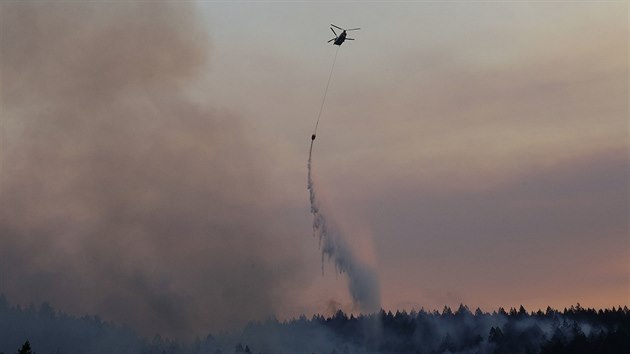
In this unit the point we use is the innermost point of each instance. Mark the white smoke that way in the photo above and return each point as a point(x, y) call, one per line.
point(362, 279)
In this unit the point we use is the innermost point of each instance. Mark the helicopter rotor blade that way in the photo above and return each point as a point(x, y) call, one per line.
point(337, 27)
point(353, 29)
point(333, 31)
point(349, 39)
point(332, 39)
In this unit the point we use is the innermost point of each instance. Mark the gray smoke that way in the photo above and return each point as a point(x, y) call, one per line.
point(362, 279)
point(120, 193)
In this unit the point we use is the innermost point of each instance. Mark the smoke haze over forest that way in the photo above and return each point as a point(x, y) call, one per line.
point(572, 330)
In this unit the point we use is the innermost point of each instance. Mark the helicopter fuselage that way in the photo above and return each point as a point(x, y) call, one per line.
point(341, 38)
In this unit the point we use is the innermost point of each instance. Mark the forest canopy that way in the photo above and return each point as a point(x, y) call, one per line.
point(571, 330)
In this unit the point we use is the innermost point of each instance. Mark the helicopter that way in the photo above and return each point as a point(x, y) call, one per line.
point(339, 39)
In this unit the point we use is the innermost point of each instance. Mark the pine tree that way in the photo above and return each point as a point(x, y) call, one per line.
point(26, 348)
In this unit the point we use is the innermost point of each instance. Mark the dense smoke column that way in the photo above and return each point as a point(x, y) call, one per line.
point(121, 193)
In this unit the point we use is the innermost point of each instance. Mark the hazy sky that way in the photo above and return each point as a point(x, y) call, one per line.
point(154, 156)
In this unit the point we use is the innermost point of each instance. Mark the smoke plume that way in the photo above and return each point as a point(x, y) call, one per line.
point(121, 193)
point(362, 279)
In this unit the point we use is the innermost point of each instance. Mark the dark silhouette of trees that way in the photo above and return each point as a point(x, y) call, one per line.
point(26, 348)
point(496, 335)
point(573, 330)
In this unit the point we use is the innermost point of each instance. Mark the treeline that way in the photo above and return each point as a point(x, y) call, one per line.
point(571, 330)
point(50, 331)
